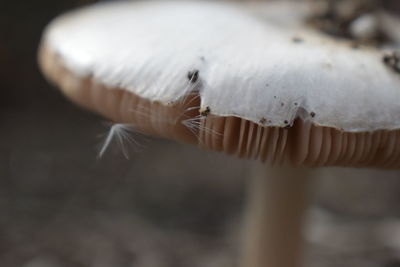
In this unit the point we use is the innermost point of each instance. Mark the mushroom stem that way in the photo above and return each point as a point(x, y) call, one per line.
point(273, 226)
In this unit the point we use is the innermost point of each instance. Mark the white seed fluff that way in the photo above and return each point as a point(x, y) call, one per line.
point(124, 136)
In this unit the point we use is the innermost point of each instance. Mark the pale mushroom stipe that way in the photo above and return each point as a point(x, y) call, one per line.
point(254, 82)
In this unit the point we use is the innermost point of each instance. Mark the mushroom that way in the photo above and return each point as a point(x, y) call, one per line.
point(244, 80)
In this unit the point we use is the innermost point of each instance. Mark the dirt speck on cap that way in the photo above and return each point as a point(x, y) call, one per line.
point(297, 40)
point(193, 76)
point(392, 60)
point(205, 112)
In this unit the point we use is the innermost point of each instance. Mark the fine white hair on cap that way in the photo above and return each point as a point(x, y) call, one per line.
point(247, 66)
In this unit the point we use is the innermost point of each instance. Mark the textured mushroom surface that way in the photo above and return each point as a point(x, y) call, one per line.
point(227, 79)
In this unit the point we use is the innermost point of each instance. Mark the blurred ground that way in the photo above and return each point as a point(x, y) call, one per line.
point(169, 205)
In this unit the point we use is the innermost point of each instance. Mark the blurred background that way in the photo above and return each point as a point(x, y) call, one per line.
point(170, 204)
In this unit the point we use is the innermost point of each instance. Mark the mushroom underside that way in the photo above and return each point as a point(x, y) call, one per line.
point(301, 144)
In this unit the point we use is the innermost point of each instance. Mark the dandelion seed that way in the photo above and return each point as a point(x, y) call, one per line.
point(124, 136)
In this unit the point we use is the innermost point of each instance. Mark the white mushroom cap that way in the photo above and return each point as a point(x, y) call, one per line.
point(247, 67)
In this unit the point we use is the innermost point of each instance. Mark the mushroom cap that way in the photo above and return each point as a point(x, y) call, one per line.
point(229, 79)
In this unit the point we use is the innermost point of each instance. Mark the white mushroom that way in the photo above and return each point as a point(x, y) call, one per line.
point(234, 80)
